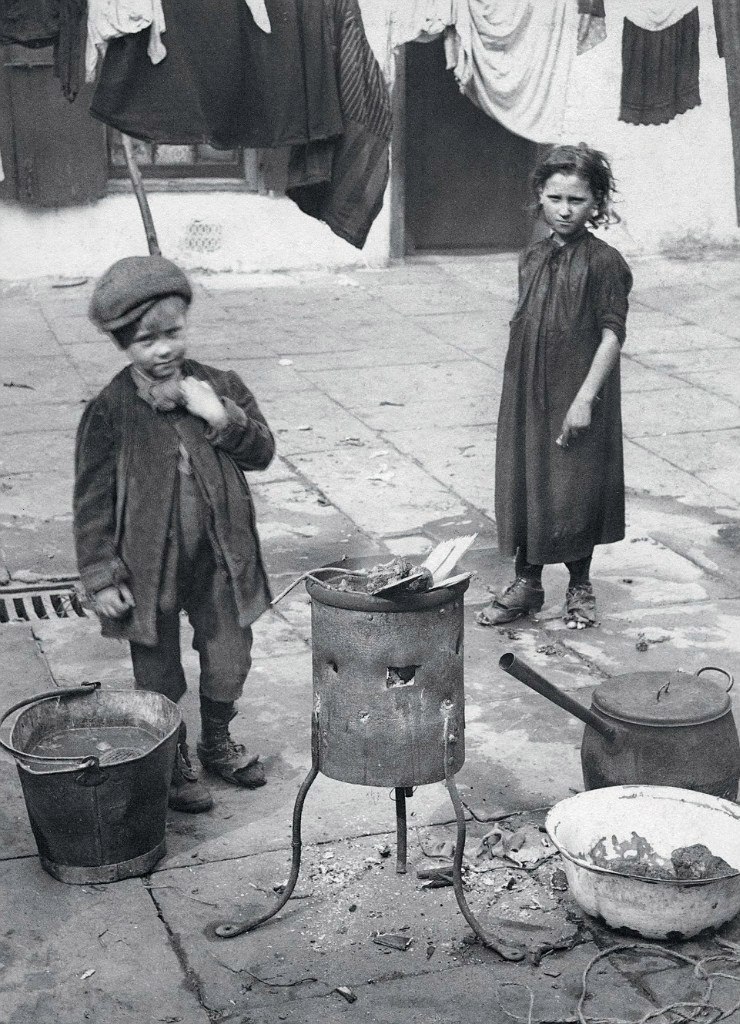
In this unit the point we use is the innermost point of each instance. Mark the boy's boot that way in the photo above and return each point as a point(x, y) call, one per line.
point(186, 793)
point(217, 751)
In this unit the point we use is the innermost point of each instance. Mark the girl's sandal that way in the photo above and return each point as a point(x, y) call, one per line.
point(580, 606)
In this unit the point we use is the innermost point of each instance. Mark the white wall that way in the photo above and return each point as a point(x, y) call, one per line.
point(255, 233)
point(676, 184)
point(676, 180)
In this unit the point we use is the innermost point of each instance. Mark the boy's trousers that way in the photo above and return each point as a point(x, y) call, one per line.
point(205, 593)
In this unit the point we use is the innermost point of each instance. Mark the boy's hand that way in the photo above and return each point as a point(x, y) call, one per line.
point(201, 400)
point(114, 602)
point(577, 420)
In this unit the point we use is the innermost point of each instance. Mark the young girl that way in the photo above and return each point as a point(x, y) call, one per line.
point(559, 472)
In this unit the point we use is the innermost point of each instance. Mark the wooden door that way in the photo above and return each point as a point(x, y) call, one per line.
point(466, 175)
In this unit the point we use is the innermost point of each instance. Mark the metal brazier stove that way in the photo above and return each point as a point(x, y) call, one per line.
point(388, 710)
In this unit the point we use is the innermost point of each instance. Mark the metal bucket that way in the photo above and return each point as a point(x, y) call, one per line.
point(388, 684)
point(97, 818)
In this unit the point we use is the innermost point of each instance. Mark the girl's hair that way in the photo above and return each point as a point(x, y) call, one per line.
point(589, 164)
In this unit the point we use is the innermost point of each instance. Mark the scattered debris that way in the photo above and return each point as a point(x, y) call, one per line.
point(399, 405)
point(498, 814)
point(559, 881)
point(74, 282)
point(527, 847)
point(285, 362)
point(15, 384)
point(380, 454)
point(87, 974)
point(644, 642)
point(355, 441)
point(627, 579)
point(392, 940)
point(304, 426)
point(346, 993)
point(437, 877)
point(383, 476)
point(384, 850)
point(549, 649)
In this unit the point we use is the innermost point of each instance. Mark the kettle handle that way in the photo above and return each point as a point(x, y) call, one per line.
point(722, 671)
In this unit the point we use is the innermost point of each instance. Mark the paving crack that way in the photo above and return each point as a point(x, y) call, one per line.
point(192, 979)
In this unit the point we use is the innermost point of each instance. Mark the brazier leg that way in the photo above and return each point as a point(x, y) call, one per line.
point(400, 830)
point(499, 946)
point(230, 929)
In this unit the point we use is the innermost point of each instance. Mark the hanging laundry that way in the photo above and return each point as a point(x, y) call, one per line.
point(728, 26)
point(420, 21)
point(225, 81)
point(513, 59)
point(69, 46)
point(660, 71)
point(33, 23)
point(655, 15)
point(591, 32)
point(342, 181)
point(718, 27)
point(110, 19)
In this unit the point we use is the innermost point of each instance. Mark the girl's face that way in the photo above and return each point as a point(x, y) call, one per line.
point(567, 204)
point(159, 344)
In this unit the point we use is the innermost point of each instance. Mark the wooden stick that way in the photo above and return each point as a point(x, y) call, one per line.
point(138, 186)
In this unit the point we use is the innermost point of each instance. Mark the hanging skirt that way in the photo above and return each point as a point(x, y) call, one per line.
point(224, 81)
point(660, 71)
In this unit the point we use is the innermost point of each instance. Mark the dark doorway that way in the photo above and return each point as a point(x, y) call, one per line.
point(466, 175)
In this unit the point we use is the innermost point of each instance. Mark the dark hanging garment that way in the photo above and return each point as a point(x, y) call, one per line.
point(727, 14)
point(660, 71)
point(718, 26)
point(593, 7)
point(342, 181)
point(224, 81)
point(32, 23)
point(69, 46)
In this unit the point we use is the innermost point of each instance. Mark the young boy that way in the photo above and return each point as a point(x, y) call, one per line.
point(163, 518)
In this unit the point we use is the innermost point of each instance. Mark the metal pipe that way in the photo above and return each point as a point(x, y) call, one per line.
point(526, 674)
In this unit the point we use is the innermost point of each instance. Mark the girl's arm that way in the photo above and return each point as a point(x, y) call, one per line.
point(578, 417)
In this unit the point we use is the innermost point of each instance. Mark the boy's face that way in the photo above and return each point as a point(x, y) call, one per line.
point(160, 345)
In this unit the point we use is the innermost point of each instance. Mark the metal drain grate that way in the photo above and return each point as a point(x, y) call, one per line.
point(28, 602)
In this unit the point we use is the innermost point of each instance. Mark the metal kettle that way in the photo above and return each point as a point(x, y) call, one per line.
point(652, 728)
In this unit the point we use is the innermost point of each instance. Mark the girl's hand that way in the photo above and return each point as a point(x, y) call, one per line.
point(577, 421)
point(201, 400)
point(114, 602)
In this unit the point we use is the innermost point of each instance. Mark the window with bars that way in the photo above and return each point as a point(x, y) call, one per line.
point(260, 171)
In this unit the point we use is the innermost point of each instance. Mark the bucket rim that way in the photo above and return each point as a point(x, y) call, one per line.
point(79, 762)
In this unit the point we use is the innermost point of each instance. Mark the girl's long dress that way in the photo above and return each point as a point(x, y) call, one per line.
point(557, 503)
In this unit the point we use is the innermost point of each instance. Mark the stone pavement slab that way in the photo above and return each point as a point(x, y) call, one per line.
point(98, 953)
point(372, 478)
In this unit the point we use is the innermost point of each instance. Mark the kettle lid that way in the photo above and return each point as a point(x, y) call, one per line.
point(661, 698)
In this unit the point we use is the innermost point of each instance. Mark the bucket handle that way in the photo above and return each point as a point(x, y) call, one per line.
point(722, 671)
point(70, 691)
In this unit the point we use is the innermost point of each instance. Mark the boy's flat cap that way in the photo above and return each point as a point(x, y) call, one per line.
point(131, 286)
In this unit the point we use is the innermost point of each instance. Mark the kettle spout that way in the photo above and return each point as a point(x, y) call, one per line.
point(526, 674)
